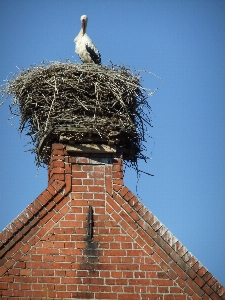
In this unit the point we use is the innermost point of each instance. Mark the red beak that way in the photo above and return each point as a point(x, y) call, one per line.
point(83, 26)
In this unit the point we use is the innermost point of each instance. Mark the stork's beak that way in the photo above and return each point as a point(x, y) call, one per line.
point(83, 26)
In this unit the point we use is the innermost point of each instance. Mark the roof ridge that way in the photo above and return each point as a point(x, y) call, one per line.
point(172, 246)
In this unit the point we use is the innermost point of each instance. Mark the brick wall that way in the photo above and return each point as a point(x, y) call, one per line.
point(88, 237)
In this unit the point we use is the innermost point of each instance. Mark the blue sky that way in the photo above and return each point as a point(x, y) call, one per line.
point(183, 42)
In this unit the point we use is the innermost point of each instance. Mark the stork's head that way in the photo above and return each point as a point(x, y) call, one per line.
point(84, 20)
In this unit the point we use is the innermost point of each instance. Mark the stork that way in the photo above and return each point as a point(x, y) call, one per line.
point(85, 48)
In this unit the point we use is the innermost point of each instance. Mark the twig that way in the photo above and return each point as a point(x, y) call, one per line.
point(107, 101)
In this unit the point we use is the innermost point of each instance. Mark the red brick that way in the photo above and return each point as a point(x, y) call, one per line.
point(23, 219)
point(32, 208)
point(178, 270)
point(68, 168)
point(177, 246)
point(95, 174)
point(128, 196)
point(182, 264)
point(52, 190)
point(57, 146)
point(117, 184)
point(57, 177)
point(135, 216)
point(108, 183)
point(105, 296)
point(126, 259)
point(25, 272)
point(192, 261)
point(214, 296)
point(147, 216)
point(77, 181)
point(207, 276)
point(191, 273)
point(199, 281)
point(221, 291)
point(37, 204)
point(172, 274)
point(6, 235)
point(207, 289)
point(167, 248)
point(211, 281)
point(151, 232)
point(96, 189)
point(187, 256)
point(216, 286)
point(133, 201)
point(42, 199)
point(202, 271)
point(3, 270)
point(195, 287)
point(182, 251)
point(113, 204)
point(79, 167)
point(78, 174)
point(118, 175)
point(156, 225)
point(145, 237)
point(117, 167)
point(138, 206)
point(118, 199)
point(130, 297)
point(25, 248)
point(174, 256)
point(205, 297)
point(79, 188)
point(197, 266)
point(143, 211)
point(124, 191)
point(176, 297)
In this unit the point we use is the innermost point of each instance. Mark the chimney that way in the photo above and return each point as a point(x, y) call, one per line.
point(87, 236)
point(89, 171)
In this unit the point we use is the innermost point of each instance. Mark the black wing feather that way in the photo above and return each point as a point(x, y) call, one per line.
point(94, 56)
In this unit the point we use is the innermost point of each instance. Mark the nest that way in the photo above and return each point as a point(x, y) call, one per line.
point(78, 103)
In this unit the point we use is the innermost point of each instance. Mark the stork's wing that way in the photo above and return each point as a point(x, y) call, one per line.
point(94, 54)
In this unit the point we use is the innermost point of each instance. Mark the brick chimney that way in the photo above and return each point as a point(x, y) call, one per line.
point(87, 236)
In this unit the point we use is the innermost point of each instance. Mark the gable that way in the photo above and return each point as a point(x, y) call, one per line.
point(47, 252)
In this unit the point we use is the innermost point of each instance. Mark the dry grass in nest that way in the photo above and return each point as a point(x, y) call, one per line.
point(107, 102)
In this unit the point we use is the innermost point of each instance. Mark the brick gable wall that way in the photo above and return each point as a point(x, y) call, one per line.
point(55, 250)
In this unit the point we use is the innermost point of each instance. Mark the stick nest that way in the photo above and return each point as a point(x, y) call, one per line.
point(78, 103)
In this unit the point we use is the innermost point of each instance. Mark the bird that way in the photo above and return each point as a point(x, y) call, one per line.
point(85, 48)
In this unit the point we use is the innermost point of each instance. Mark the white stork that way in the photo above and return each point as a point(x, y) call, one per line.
point(85, 48)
